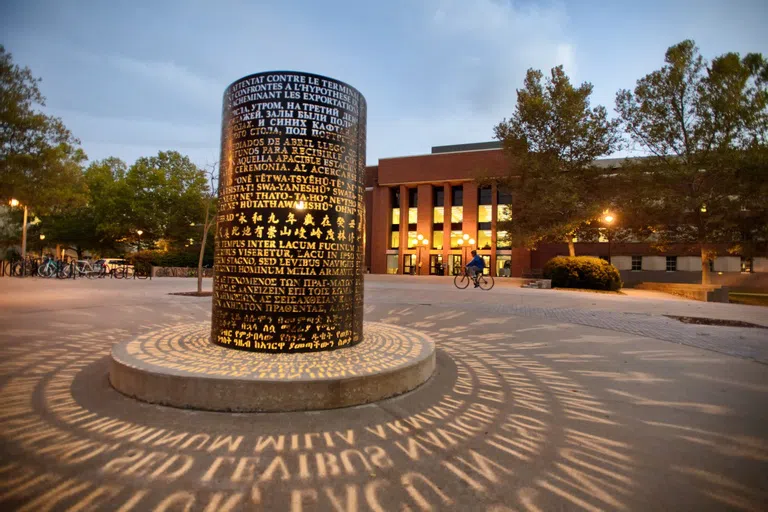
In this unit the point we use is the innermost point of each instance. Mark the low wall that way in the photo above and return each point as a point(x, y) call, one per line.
point(756, 281)
point(701, 292)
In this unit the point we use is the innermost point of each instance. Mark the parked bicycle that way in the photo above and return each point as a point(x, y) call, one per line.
point(462, 280)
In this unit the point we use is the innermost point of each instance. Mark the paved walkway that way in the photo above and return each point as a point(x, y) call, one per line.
point(542, 400)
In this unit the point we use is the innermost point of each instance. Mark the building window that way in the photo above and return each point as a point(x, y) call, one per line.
point(457, 216)
point(396, 217)
point(438, 195)
point(391, 263)
point(437, 240)
point(746, 264)
point(438, 215)
point(671, 263)
point(413, 217)
point(413, 241)
point(413, 210)
point(484, 195)
point(484, 239)
point(455, 237)
point(502, 240)
point(394, 241)
point(457, 195)
point(637, 263)
point(504, 204)
point(484, 216)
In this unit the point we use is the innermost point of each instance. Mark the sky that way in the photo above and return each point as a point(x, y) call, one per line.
point(131, 78)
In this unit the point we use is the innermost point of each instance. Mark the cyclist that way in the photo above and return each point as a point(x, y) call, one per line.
point(476, 265)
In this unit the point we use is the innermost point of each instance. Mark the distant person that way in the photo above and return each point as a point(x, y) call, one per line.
point(476, 265)
point(507, 268)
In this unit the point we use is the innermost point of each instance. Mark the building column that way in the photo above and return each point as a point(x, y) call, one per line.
point(494, 218)
point(447, 203)
point(424, 225)
point(403, 232)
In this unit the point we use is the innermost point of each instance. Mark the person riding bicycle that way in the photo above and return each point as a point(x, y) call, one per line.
point(476, 265)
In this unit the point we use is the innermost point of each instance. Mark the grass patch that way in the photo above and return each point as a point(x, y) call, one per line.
point(750, 299)
point(609, 292)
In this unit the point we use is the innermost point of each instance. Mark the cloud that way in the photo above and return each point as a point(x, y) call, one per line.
point(170, 76)
point(482, 49)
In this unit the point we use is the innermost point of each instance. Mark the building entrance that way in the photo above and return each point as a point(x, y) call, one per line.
point(436, 265)
point(456, 266)
point(409, 264)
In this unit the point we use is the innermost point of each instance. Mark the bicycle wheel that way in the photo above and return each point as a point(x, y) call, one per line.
point(64, 272)
point(485, 282)
point(118, 273)
point(461, 281)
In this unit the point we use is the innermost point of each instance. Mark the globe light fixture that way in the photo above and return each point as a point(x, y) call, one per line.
point(471, 241)
point(420, 237)
point(139, 232)
point(425, 241)
point(42, 237)
point(14, 202)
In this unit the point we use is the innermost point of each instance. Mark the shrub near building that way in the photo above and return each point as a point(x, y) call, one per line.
point(582, 272)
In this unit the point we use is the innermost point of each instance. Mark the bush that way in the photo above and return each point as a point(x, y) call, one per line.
point(171, 258)
point(582, 272)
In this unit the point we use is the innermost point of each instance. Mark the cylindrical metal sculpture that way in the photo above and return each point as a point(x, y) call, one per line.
point(289, 232)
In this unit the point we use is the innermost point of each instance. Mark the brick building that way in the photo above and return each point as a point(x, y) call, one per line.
point(426, 212)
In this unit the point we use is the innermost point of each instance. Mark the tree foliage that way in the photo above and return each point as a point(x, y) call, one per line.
point(704, 126)
point(551, 141)
point(40, 161)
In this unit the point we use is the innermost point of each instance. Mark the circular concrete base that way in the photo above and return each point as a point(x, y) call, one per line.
point(180, 367)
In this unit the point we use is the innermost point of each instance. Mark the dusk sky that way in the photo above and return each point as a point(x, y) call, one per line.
point(131, 78)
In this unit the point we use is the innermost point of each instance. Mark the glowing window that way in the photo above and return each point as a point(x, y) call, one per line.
point(391, 263)
point(457, 214)
point(504, 212)
point(413, 215)
point(484, 213)
point(394, 241)
point(412, 239)
point(438, 215)
point(484, 239)
point(502, 242)
point(437, 239)
point(395, 215)
point(455, 237)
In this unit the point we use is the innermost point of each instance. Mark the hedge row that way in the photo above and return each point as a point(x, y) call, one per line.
point(171, 259)
point(582, 272)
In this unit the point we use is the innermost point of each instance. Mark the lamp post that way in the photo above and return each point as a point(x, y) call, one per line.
point(422, 242)
point(608, 218)
point(42, 237)
point(14, 203)
point(139, 232)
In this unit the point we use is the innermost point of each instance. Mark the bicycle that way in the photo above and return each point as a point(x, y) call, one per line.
point(462, 280)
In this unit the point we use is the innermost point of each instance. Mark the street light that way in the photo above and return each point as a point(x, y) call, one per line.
point(139, 232)
point(42, 237)
point(608, 218)
point(14, 203)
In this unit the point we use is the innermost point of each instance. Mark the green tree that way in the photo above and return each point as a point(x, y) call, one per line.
point(551, 142)
point(101, 223)
point(40, 163)
point(704, 129)
point(167, 194)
